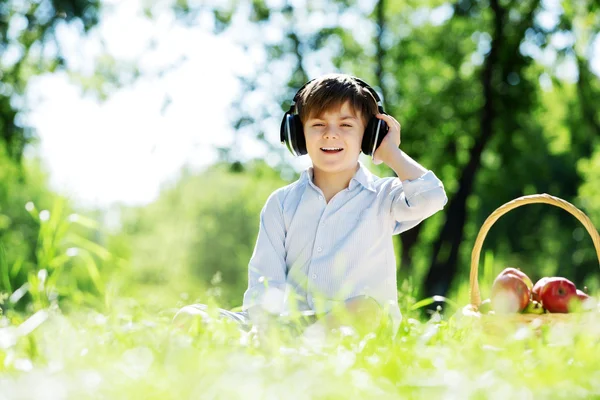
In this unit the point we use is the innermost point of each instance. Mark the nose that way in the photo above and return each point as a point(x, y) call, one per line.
point(331, 132)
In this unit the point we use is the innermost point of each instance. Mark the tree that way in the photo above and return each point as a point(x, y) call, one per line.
point(464, 80)
point(28, 46)
point(27, 34)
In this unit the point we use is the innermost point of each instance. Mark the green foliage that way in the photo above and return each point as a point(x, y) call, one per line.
point(589, 192)
point(480, 104)
point(48, 253)
point(18, 230)
point(35, 230)
point(201, 232)
point(26, 28)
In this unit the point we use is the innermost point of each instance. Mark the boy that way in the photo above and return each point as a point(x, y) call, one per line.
point(328, 236)
point(325, 240)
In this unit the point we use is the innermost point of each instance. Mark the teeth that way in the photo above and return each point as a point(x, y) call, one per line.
point(331, 148)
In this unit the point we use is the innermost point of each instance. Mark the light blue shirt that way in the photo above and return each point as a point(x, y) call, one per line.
point(310, 255)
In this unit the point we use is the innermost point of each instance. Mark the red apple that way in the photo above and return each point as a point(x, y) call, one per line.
point(535, 292)
point(556, 294)
point(582, 295)
point(520, 274)
point(510, 294)
point(582, 302)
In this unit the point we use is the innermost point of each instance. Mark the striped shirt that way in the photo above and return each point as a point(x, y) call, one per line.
point(310, 255)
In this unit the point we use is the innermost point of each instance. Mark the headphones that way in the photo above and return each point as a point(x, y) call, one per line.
point(292, 132)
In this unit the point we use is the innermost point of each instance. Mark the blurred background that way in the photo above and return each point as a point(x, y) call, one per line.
point(139, 139)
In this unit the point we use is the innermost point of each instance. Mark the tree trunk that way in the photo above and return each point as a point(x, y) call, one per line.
point(379, 67)
point(588, 106)
point(408, 239)
point(444, 266)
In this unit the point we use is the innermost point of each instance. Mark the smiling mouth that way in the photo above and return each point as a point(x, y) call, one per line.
point(331, 150)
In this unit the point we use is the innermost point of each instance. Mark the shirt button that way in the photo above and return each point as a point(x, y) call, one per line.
point(314, 276)
point(320, 197)
point(319, 249)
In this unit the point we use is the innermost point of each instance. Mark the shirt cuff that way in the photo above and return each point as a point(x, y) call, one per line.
point(426, 182)
point(270, 298)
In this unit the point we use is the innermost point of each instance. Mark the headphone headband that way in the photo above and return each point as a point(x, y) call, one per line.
point(357, 80)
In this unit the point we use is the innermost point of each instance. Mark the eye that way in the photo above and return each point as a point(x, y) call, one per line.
point(348, 125)
point(318, 124)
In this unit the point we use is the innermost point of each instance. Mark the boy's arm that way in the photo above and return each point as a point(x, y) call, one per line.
point(267, 268)
point(419, 195)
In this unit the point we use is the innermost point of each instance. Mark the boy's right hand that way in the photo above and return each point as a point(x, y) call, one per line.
point(390, 143)
point(262, 321)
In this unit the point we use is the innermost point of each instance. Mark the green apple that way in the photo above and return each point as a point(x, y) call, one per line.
point(486, 306)
point(534, 308)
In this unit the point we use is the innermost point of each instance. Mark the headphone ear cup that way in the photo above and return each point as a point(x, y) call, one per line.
point(299, 136)
point(376, 130)
point(283, 135)
point(291, 134)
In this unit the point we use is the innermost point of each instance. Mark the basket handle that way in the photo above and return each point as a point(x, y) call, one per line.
point(518, 202)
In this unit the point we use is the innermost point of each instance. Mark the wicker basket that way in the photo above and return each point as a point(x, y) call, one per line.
point(475, 297)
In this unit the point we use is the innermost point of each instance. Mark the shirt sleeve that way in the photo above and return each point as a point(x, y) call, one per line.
point(412, 201)
point(267, 268)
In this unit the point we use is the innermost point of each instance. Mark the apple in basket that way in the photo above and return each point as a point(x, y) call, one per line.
point(582, 302)
point(519, 274)
point(510, 293)
point(535, 292)
point(581, 295)
point(556, 293)
point(534, 307)
point(486, 306)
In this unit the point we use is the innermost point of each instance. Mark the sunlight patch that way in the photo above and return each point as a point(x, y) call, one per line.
point(273, 300)
point(8, 337)
point(137, 362)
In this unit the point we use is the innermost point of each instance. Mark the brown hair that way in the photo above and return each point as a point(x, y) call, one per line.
point(331, 91)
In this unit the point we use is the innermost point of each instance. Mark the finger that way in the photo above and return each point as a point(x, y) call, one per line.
point(396, 123)
point(385, 117)
point(391, 121)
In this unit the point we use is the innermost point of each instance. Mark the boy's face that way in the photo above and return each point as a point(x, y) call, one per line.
point(342, 129)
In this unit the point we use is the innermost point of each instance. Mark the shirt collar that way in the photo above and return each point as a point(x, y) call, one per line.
point(362, 176)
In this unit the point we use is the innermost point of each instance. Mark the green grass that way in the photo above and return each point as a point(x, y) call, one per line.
point(133, 352)
point(113, 339)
